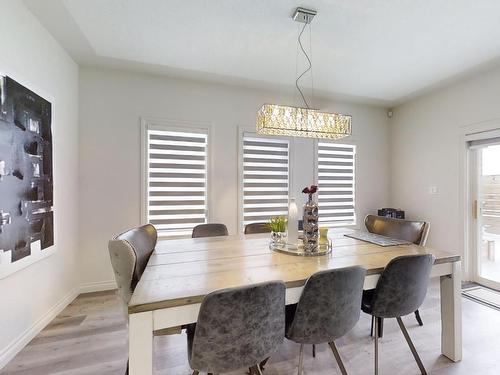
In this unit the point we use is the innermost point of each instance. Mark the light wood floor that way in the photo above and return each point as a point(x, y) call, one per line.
point(89, 337)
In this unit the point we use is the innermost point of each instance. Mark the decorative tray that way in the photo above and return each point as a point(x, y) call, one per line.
point(298, 250)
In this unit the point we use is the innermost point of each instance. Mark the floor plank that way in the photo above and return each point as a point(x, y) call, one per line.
point(89, 337)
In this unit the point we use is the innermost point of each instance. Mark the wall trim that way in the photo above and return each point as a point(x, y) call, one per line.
point(98, 286)
point(7, 354)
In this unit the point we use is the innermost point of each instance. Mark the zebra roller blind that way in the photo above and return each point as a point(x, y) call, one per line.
point(265, 178)
point(176, 180)
point(336, 190)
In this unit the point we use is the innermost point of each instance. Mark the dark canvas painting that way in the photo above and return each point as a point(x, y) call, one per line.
point(26, 185)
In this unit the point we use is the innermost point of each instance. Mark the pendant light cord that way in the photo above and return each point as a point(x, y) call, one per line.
point(305, 71)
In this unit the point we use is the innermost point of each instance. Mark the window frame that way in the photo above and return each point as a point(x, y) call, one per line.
point(242, 132)
point(351, 142)
point(149, 123)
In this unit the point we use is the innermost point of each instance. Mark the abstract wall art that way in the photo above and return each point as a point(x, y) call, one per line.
point(26, 177)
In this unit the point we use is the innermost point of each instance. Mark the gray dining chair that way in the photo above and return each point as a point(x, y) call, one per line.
point(237, 328)
point(255, 228)
point(209, 230)
point(400, 291)
point(129, 253)
point(412, 231)
point(327, 309)
point(409, 230)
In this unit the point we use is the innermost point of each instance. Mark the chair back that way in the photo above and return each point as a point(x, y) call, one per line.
point(129, 253)
point(254, 228)
point(329, 306)
point(402, 286)
point(413, 231)
point(238, 327)
point(209, 230)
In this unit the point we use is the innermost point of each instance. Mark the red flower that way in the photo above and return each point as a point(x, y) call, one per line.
point(310, 189)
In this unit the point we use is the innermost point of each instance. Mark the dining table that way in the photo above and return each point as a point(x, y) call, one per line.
point(181, 272)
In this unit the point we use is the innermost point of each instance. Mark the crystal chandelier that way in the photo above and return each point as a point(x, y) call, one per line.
point(274, 119)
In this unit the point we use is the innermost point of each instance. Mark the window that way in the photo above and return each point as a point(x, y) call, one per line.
point(265, 178)
point(335, 177)
point(176, 176)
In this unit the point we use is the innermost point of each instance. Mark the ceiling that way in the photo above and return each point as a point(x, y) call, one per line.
point(378, 50)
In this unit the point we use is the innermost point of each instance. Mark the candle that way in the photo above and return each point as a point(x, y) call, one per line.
point(292, 227)
point(323, 235)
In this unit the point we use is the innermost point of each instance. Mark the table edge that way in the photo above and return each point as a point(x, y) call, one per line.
point(158, 305)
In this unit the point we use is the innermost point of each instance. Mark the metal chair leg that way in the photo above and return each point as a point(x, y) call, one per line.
point(376, 349)
point(314, 351)
point(263, 363)
point(380, 322)
point(255, 370)
point(412, 347)
point(336, 353)
point(419, 319)
point(301, 359)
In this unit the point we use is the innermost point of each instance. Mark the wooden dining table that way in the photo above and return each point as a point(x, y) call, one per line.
point(181, 272)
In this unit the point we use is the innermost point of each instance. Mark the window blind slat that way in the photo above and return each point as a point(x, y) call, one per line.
point(335, 176)
point(176, 181)
point(265, 181)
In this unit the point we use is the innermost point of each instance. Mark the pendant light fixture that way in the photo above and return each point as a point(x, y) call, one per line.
point(275, 119)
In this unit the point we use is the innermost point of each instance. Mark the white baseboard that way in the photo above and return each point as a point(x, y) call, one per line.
point(24, 338)
point(97, 286)
point(7, 354)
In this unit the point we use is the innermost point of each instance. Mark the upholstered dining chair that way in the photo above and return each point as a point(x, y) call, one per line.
point(412, 231)
point(129, 253)
point(400, 291)
point(237, 328)
point(327, 309)
point(254, 228)
point(209, 230)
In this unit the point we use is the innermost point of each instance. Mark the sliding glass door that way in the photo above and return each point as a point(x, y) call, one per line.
point(487, 214)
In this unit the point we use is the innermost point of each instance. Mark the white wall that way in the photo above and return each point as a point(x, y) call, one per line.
point(426, 152)
point(30, 297)
point(111, 104)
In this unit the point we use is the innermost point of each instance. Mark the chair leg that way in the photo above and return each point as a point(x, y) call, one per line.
point(314, 351)
point(263, 363)
point(255, 370)
point(412, 347)
point(419, 319)
point(336, 353)
point(252, 370)
point(301, 359)
point(380, 322)
point(376, 348)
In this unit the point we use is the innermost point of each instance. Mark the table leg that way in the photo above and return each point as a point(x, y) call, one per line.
point(140, 337)
point(451, 314)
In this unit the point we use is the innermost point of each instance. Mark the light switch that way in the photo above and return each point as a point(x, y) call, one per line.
point(433, 190)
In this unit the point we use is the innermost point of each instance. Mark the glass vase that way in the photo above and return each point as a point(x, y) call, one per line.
point(278, 238)
point(310, 224)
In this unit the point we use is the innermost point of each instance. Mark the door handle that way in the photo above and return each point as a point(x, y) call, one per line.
point(474, 209)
